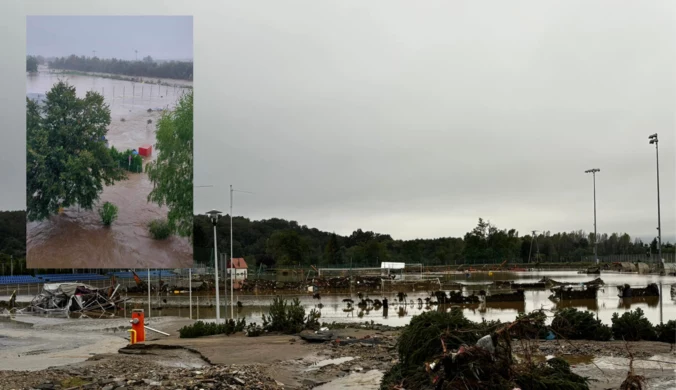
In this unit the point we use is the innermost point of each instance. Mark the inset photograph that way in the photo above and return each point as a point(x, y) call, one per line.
point(109, 141)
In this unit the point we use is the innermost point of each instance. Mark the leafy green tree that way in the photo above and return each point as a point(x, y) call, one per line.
point(67, 163)
point(31, 64)
point(172, 172)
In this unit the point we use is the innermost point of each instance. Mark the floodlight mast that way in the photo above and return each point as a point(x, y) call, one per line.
point(593, 171)
point(653, 140)
point(213, 216)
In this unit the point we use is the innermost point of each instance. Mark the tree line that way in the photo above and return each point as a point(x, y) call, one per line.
point(278, 242)
point(148, 68)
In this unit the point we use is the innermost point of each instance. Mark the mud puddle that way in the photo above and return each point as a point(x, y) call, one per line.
point(369, 380)
point(329, 362)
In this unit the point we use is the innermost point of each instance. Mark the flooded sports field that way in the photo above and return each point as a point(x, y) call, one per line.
point(333, 308)
point(76, 238)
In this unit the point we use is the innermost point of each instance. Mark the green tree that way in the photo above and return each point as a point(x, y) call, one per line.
point(287, 247)
point(332, 251)
point(31, 64)
point(171, 173)
point(67, 163)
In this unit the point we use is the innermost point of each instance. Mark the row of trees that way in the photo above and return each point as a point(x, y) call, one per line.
point(277, 242)
point(148, 68)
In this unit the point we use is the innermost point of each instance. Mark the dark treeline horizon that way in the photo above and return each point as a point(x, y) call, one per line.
point(146, 67)
point(278, 242)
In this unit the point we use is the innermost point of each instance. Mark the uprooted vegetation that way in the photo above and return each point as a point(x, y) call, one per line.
point(445, 350)
point(448, 351)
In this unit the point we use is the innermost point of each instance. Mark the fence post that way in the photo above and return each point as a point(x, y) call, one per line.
point(661, 294)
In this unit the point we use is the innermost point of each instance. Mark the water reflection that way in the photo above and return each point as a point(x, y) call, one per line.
point(626, 303)
point(580, 304)
point(336, 310)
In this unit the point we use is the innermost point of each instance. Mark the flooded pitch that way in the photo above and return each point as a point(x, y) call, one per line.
point(76, 238)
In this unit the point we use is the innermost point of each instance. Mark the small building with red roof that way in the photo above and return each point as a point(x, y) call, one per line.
point(239, 268)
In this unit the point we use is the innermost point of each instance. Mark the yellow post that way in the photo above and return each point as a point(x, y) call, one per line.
point(132, 336)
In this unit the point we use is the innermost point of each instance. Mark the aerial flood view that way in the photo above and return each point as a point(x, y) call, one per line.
point(407, 200)
point(68, 227)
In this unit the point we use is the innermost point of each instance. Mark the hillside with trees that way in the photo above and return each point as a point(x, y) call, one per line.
point(277, 242)
point(148, 68)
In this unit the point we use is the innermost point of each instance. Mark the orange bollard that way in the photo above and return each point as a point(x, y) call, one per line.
point(138, 325)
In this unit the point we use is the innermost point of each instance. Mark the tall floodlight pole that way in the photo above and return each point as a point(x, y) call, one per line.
point(653, 140)
point(136, 51)
point(593, 172)
point(214, 215)
point(232, 280)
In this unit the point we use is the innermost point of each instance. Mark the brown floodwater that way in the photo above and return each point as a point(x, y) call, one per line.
point(76, 238)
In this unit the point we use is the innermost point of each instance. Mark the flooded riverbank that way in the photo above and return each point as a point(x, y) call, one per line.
point(76, 238)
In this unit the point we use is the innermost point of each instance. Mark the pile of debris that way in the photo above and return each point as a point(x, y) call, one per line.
point(448, 351)
point(332, 283)
point(126, 373)
point(249, 285)
point(454, 297)
point(517, 296)
point(626, 291)
point(573, 293)
point(66, 298)
point(369, 281)
point(552, 282)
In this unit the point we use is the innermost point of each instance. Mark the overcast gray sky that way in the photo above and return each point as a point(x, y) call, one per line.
point(416, 120)
point(161, 37)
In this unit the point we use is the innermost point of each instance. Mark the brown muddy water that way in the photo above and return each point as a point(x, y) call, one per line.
point(76, 238)
point(400, 313)
point(333, 309)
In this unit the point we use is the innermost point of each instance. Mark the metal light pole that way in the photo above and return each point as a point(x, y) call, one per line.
point(593, 172)
point(653, 140)
point(213, 215)
point(232, 280)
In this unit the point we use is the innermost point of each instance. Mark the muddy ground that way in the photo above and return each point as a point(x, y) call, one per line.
point(95, 354)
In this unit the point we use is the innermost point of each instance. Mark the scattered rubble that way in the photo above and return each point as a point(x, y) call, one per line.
point(123, 373)
point(66, 298)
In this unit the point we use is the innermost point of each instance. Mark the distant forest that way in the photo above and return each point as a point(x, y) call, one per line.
point(278, 242)
point(147, 67)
